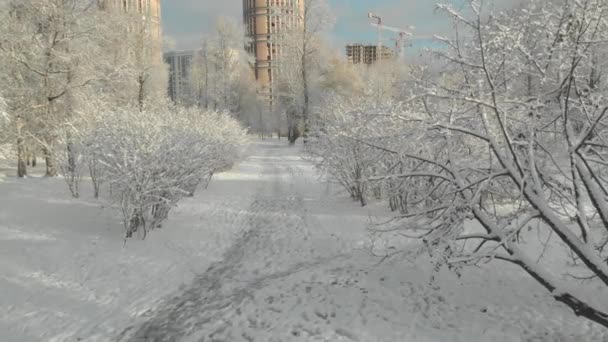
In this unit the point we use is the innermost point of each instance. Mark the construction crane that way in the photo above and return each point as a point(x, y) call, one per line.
point(399, 42)
point(379, 25)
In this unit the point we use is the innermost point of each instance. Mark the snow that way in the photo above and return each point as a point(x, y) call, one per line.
point(269, 252)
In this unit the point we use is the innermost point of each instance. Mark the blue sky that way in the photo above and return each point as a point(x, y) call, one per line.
point(186, 21)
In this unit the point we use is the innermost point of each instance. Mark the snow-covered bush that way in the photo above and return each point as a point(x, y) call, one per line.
point(152, 159)
point(334, 148)
point(344, 143)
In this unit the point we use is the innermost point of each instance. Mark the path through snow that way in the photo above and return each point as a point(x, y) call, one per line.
point(268, 253)
point(280, 239)
point(301, 271)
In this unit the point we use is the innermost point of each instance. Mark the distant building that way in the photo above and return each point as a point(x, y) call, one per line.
point(180, 68)
point(367, 54)
point(265, 21)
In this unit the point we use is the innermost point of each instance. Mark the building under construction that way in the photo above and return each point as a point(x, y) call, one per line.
point(367, 54)
point(266, 22)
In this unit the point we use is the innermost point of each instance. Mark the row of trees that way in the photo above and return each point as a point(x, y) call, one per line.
point(221, 76)
point(86, 85)
point(221, 79)
point(58, 55)
point(506, 140)
point(298, 75)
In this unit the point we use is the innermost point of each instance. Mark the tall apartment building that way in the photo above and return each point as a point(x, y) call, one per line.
point(150, 12)
point(180, 69)
point(265, 22)
point(367, 54)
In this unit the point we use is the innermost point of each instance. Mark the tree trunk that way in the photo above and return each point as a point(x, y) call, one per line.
point(293, 133)
point(21, 151)
point(290, 135)
point(304, 66)
point(305, 117)
point(51, 167)
point(21, 164)
point(141, 92)
point(71, 155)
point(94, 175)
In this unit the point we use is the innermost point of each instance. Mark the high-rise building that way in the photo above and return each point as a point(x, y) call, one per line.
point(367, 54)
point(180, 68)
point(265, 23)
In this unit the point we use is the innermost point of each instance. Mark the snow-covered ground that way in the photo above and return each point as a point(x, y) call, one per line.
point(269, 252)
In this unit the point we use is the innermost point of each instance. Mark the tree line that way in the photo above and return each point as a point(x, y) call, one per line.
point(84, 87)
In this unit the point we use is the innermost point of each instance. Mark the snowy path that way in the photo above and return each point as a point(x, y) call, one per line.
point(281, 239)
point(268, 253)
point(300, 270)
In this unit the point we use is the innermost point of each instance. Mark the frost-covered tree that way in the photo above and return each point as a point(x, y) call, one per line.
point(507, 142)
point(342, 78)
point(220, 74)
point(131, 60)
point(251, 111)
point(60, 55)
point(344, 137)
point(521, 117)
point(50, 51)
point(296, 76)
point(386, 80)
point(227, 46)
point(201, 76)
